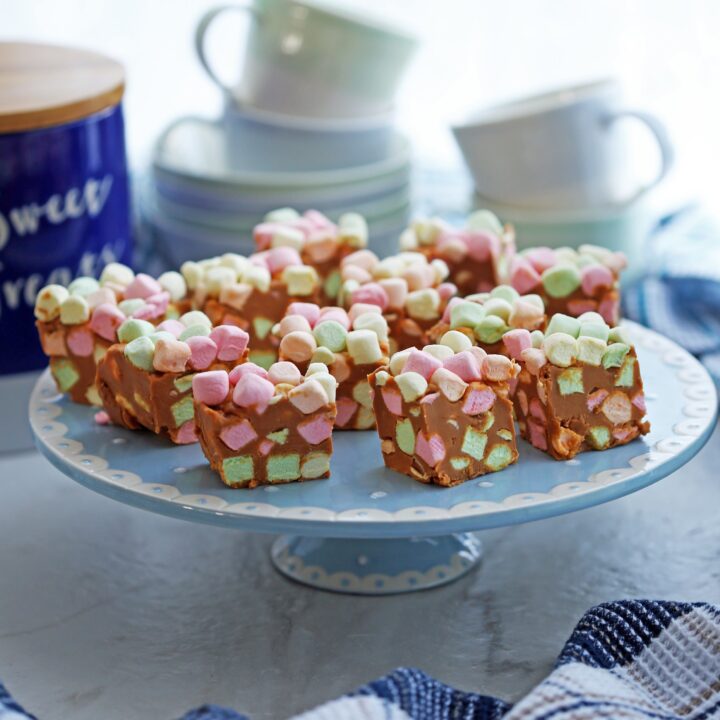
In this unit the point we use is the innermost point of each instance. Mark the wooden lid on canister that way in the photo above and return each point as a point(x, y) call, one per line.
point(46, 85)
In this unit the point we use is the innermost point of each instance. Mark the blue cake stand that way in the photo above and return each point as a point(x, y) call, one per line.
point(367, 529)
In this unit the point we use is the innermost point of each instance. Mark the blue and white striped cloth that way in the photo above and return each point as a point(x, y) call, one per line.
point(633, 659)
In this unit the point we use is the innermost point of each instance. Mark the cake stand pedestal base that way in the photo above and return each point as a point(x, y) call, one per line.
point(376, 567)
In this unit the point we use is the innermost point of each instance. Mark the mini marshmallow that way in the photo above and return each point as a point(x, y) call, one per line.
point(235, 295)
point(421, 363)
point(364, 347)
point(441, 271)
point(499, 307)
point(536, 338)
point(283, 236)
point(478, 401)
point(310, 311)
point(171, 355)
point(323, 355)
point(174, 327)
point(282, 215)
point(195, 317)
point(133, 328)
point(516, 341)
point(247, 368)
point(194, 331)
point(83, 286)
point(498, 368)
point(456, 340)
point(353, 230)
point(193, 274)
point(534, 359)
point(231, 342)
point(366, 259)
point(372, 321)
point(217, 278)
point(597, 330)
point(362, 309)
point(157, 335)
point(298, 346)
point(316, 367)
point(491, 329)
point(412, 385)
point(505, 292)
point(614, 355)
point(334, 313)
point(479, 244)
point(80, 342)
point(211, 387)
point(328, 382)
point(408, 239)
point(372, 294)
point(339, 367)
point(252, 390)
point(301, 280)
point(358, 274)
point(619, 334)
point(465, 365)
point(441, 352)
point(563, 324)
point(466, 314)
point(116, 274)
point(446, 290)
point(285, 372)
point(257, 277)
point(484, 220)
point(591, 350)
point(101, 296)
point(278, 258)
point(398, 360)
point(541, 258)
point(396, 290)
point(330, 334)
point(449, 384)
point(560, 349)
point(478, 353)
point(309, 396)
point(523, 276)
point(203, 352)
point(525, 314)
point(74, 310)
point(236, 262)
point(561, 280)
point(48, 302)
point(423, 304)
point(292, 323)
point(173, 283)
point(105, 321)
point(596, 277)
point(140, 353)
point(142, 286)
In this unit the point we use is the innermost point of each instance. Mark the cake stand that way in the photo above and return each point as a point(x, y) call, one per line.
point(367, 529)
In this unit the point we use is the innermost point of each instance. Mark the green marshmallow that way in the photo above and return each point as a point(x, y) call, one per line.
point(474, 443)
point(570, 381)
point(331, 286)
point(129, 307)
point(184, 383)
point(619, 335)
point(183, 410)
point(594, 330)
point(263, 358)
point(499, 457)
point(536, 338)
point(459, 463)
point(591, 350)
point(484, 220)
point(614, 355)
point(279, 436)
point(561, 280)
point(505, 292)
point(64, 372)
point(197, 330)
point(466, 314)
point(283, 467)
point(331, 334)
point(161, 335)
point(560, 349)
point(598, 437)
point(626, 376)
point(133, 328)
point(499, 307)
point(491, 329)
point(238, 470)
point(405, 436)
point(315, 465)
point(195, 317)
point(261, 327)
point(140, 352)
point(560, 323)
point(83, 286)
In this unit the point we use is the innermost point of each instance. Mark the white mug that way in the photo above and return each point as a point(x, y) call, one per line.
point(301, 59)
point(561, 150)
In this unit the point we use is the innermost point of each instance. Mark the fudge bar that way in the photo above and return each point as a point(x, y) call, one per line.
point(411, 291)
point(445, 417)
point(252, 293)
point(78, 324)
point(572, 282)
point(485, 317)
point(146, 381)
point(321, 243)
point(351, 344)
point(579, 387)
point(266, 427)
point(478, 256)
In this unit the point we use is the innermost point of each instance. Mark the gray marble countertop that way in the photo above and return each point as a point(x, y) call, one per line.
point(111, 612)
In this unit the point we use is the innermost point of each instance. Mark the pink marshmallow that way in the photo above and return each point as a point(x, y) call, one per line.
point(281, 257)
point(238, 435)
point(417, 278)
point(430, 449)
point(639, 402)
point(346, 408)
point(537, 410)
point(372, 293)
point(465, 365)
point(576, 308)
point(263, 234)
point(337, 314)
point(187, 433)
point(360, 309)
point(80, 342)
point(354, 272)
point(315, 430)
point(516, 341)
point(479, 244)
point(284, 372)
point(310, 311)
point(203, 352)
point(265, 446)
point(259, 259)
point(596, 399)
point(253, 391)
point(622, 434)
point(143, 286)
point(231, 342)
point(610, 311)
point(101, 296)
point(148, 312)
point(396, 290)
point(105, 321)
point(478, 353)
point(174, 327)
point(318, 220)
point(538, 437)
point(248, 368)
point(366, 259)
point(541, 258)
point(523, 276)
point(447, 290)
point(392, 400)
point(170, 355)
point(429, 399)
point(478, 401)
point(211, 387)
point(595, 277)
point(102, 418)
point(422, 363)
point(161, 301)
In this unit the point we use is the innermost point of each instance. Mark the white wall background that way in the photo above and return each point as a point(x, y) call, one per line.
point(474, 52)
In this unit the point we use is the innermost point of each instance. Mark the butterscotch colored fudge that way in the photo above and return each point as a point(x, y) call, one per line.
point(252, 293)
point(572, 282)
point(146, 382)
point(266, 427)
point(445, 417)
point(322, 244)
point(579, 388)
point(351, 344)
point(79, 323)
point(478, 255)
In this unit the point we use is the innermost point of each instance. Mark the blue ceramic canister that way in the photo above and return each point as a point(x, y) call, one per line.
point(64, 199)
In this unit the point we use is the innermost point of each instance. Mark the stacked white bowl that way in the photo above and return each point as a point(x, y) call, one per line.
point(311, 128)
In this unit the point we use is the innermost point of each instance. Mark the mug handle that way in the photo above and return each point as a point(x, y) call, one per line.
point(201, 30)
point(665, 145)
